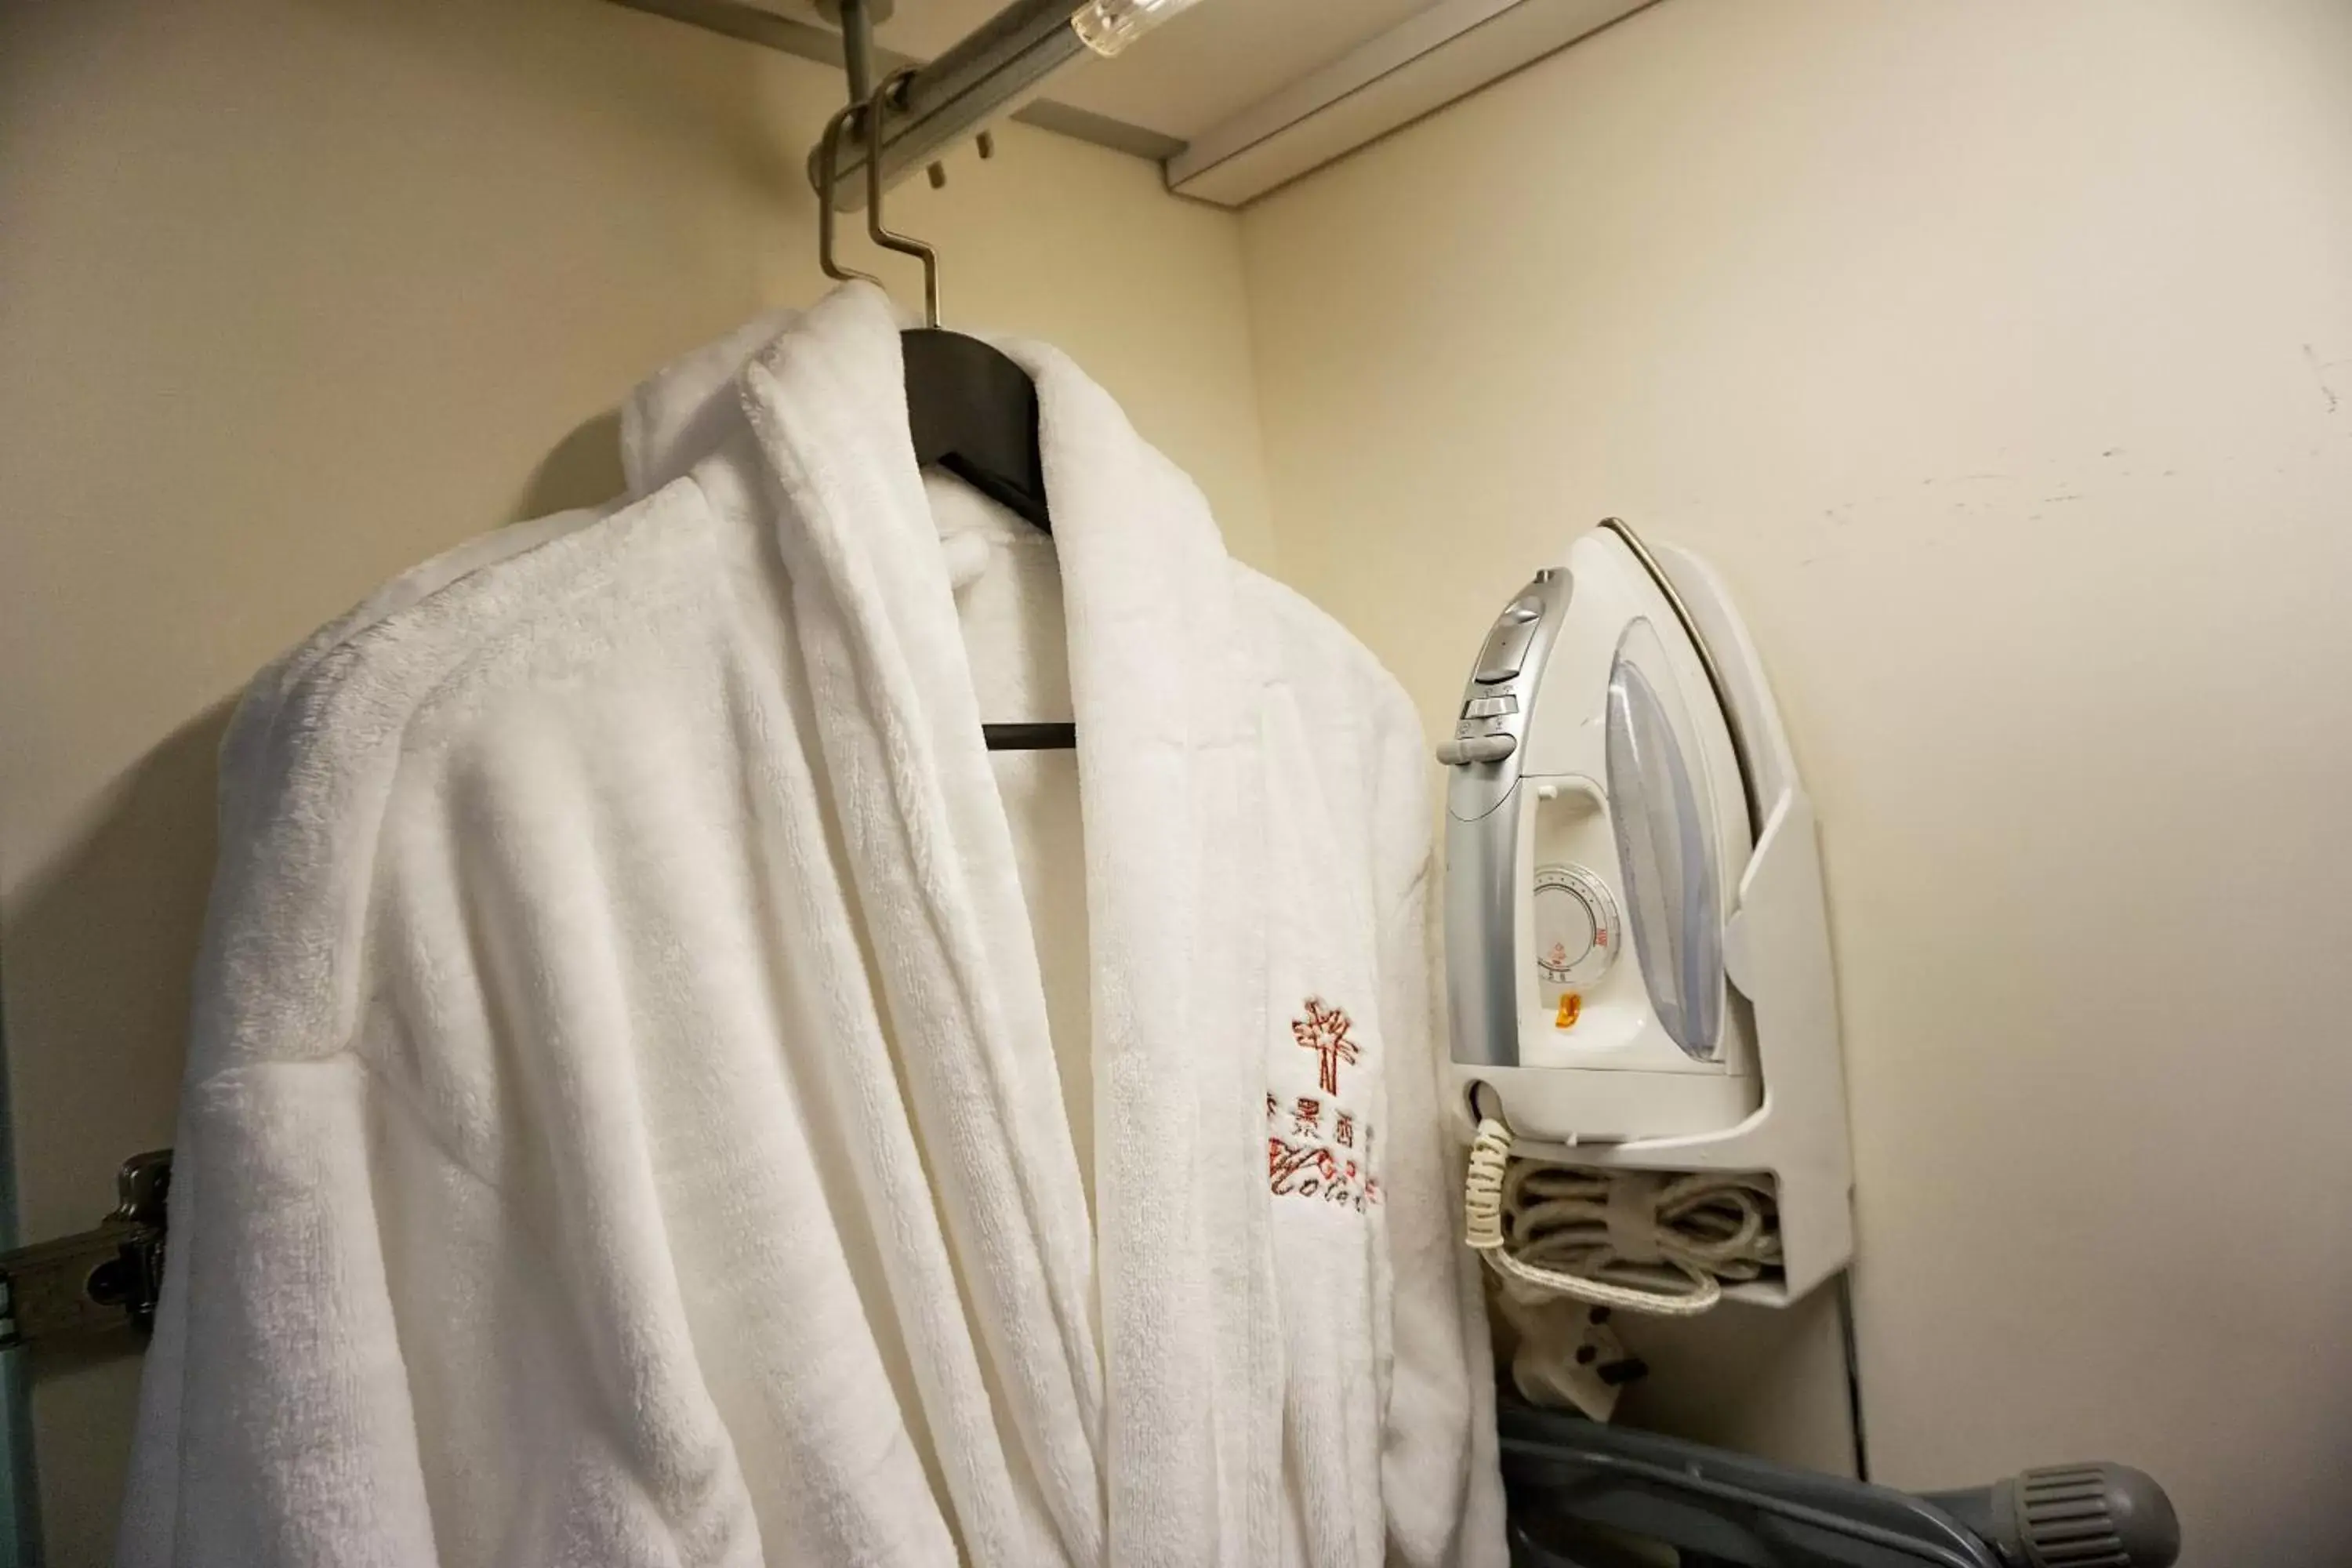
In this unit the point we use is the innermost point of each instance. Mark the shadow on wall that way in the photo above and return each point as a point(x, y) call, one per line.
point(103, 940)
point(111, 925)
point(585, 470)
point(111, 928)
point(1762, 1380)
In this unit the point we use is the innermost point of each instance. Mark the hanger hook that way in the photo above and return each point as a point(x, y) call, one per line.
point(894, 86)
point(829, 180)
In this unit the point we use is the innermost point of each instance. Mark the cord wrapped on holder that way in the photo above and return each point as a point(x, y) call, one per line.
point(1647, 1241)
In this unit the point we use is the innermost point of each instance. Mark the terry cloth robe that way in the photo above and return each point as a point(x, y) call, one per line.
point(662, 1093)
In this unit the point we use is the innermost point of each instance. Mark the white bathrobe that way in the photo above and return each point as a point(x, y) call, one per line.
point(662, 1093)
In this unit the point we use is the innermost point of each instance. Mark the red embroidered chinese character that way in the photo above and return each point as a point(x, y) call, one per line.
point(1307, 1121)
point(1324, 1031)
point(1343, 1132)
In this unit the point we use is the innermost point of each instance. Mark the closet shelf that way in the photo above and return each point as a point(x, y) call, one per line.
point(1233, 98)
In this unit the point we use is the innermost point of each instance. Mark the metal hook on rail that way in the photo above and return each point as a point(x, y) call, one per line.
point(828, 166)
point(894, 86)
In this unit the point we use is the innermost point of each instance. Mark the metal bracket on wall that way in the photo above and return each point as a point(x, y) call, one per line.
point(104, 1278)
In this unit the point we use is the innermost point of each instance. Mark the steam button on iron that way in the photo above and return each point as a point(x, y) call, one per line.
point(1464, 749)
point(1490, 707)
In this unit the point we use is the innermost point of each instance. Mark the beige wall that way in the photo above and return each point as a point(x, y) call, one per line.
point(293, 295)
point(1999, 352)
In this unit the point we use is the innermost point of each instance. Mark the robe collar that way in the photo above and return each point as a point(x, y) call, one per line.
point(1167, 693)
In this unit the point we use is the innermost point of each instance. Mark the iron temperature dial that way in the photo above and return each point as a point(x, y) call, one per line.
point(1578, 929)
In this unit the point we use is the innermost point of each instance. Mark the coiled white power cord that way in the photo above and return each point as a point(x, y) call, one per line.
point(1647, 1241)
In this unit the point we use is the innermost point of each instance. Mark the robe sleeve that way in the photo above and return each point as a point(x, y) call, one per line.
point(276, 1422)
point(364, 1356)
point(1439, 1468)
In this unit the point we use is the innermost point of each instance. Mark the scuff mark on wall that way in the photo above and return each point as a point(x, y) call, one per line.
point(2319, 369)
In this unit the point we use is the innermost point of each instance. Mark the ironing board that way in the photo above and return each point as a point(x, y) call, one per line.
point(1588, 1495)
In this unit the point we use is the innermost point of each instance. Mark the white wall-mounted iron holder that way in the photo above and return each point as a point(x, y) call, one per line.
point(1716, 1049)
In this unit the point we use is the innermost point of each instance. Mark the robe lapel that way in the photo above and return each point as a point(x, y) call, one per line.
point(1164, 688)
point(931, 862)
point(1171, 1423)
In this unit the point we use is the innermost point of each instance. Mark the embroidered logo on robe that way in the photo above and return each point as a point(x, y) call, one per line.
point(1324, 1031)
point(1325, 1152)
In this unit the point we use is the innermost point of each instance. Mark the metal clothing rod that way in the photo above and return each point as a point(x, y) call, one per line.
point(821, 46)
point(988, 72)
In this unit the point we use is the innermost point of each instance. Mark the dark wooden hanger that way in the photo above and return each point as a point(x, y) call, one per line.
point(973, 414)
point(970, 410)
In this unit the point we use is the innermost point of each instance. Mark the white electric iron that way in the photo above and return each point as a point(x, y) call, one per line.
point(1619, 778)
